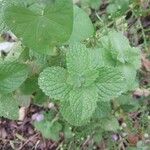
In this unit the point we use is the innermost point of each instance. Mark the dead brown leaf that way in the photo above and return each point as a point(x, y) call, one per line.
point(133, 139)
point(141, 92)
point(145, 62)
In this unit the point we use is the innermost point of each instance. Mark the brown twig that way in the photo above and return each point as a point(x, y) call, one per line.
point(31, 138)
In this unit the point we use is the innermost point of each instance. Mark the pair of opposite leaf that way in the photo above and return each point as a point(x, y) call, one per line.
point(80, 86)
point(117, 52)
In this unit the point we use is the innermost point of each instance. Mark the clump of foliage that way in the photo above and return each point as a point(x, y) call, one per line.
point(55, 62)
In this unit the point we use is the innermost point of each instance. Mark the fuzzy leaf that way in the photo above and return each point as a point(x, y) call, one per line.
point(12, 75)
point(130, 76)
point(41, 29)
point(119, 45)
point(117, 52)
point(110, 83)
point(116, 44)
point(127, 103)
point(53, 82)
point(82, 64)
point(78, 59)
point(49, 125)
point(9, 107)
point(103, 110)
point(116, 47)
point(110, 124)
point(81, 106)
point(48, 129)
point(81, 60)
point(118, 8)
point(134, 57)
point(68, 132)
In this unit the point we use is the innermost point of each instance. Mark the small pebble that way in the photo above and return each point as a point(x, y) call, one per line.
point(124, 125)
point(146, 135)
point(51, 105)
point(124, 134)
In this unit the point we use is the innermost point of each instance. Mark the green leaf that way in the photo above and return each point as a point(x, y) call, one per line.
point(118, 8)
point(115, 47)
point(9, 107)
point(82, 26)
point(81, 59)
point(6, 3)
point(38, 57)
point(48, 129)
point(80, 106)
point(2, 24)
point(98, 137)
point(67, 132)
point(117, 52)
point(22, 99)
point(94, 4)
point(55, 130)
point(103, 110)
point(110, 83)
point(40, 30)
point(119, 44)
point(106, 57)
point(110, 124)
point(15, 52)
point(12, 75)
point(82, 80)
point(130, 76)
point(134, 57)
point(53, 82)
point(30, 86)
point(82, 64)
point(40, 98)
point(127, 103)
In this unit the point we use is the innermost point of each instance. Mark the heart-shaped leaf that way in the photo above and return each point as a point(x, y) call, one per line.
point(43, 29)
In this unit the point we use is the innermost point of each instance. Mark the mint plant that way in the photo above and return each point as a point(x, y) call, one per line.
point(81, 85)
point(55, 60)
point(49, 126)
point(117, 52)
